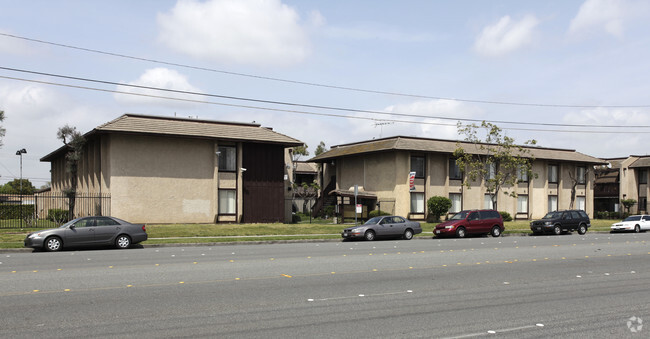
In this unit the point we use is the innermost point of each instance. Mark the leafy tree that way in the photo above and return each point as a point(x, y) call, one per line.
point(75, 143)
point(496, 160)
point(299, 151)
point(628, 203)
point(307, 192)
point(320, 149)
point(438, 206)
point(13, 187)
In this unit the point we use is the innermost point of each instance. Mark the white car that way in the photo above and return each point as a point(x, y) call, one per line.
point(635, 223)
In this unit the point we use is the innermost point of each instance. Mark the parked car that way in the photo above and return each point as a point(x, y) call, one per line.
point(635, 223)
point(558, 222)
point(384, 226)
point(88, 231)
point(468, 222)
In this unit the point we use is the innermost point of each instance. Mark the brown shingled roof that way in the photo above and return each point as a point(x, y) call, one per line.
point(642, 162)
point(185, 127)
point(442, 146)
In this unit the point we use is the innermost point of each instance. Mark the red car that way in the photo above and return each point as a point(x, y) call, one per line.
point(471, 222)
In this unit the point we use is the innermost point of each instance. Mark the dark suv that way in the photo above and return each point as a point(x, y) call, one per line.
point(558, 222)
point(471, 222)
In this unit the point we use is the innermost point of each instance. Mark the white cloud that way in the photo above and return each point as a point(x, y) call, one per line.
point(259, 32)
point(158, 78)
point(14, 46)
point(506, 36)
point(608, 15)
point(606, 145)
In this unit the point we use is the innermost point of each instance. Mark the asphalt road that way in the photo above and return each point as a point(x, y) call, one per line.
point(520, 287)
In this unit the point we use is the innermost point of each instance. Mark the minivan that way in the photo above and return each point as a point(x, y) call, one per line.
point(468, 222)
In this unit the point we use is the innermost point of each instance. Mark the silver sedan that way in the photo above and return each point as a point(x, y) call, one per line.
point(384, 226)
point(88, 231)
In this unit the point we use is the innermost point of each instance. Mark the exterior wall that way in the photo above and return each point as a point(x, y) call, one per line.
point(630, 187)
point(386, 175)
point(155, 179)
point(162, 180)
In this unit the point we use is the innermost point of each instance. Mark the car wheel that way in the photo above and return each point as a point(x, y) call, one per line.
point(408, 235)
point(557, 230)
point(496, 231)
point(460, 232)
point(123, 241)
point(582, 229)
point(53, 244)
point(369, 235)
point(637, 229)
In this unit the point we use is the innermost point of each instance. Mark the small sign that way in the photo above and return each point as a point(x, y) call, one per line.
point(359, 208)
point(412, 181)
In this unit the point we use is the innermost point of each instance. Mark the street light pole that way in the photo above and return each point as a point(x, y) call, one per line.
point(21, 152)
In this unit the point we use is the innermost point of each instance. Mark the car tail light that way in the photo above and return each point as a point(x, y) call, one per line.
point(144, 227)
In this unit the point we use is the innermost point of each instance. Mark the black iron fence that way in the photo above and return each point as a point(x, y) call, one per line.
point(49, 209)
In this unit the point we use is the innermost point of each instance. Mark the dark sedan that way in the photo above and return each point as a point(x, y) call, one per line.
point(88, 231)
point(384, 226)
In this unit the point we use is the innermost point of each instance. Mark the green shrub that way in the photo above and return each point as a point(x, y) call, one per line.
point(506, 216)
point(14, 211)
point(57, 215)
point(438, 206)
point(295, 218)
point(375, 213)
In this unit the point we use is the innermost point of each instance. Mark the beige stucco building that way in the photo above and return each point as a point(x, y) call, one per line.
point(380, 169)
point(176, 170)
point(623, 178)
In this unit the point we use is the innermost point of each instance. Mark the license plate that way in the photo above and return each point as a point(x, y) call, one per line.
point(539, 228)
point(437, 232)
point(345, 234)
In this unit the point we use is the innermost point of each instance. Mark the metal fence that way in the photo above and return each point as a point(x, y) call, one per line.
point(48, 209)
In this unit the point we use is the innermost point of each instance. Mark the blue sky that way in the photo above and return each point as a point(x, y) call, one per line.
point(571, 63)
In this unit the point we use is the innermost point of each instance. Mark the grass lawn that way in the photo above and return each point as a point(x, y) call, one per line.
point(318, 229)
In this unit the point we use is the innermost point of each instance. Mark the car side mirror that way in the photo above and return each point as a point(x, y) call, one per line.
point(72, 227)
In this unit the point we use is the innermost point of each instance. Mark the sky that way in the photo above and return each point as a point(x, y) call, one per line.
point(570, 74)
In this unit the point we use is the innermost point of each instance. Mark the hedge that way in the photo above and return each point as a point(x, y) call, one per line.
point(14, 211)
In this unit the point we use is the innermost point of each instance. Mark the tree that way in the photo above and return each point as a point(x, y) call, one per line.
point(307, 192)
point(438, 206)
point(299, 151)
point(497, 161)
point(320, 149)
point(75, 143)
point(577, 178)
point(628, 203)
point(13, 187)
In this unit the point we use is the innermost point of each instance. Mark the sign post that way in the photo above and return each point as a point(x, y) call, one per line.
point(356, 192)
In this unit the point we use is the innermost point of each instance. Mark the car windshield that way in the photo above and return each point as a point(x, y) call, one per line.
point(373, 221)
point(633, 218)
point(552, 215)
point(459, 216)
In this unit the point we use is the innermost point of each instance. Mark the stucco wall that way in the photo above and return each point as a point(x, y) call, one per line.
point(173, 177)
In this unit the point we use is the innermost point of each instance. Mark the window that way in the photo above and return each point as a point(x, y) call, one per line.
point(227, 158)
point(417, 202)
point(456, 202)
point(581, 175)
point(580, 203)
point(488, 201)
point(227, 201)
point(643, 176)
point(105, 221)
point(490, 171)
point(552, 203)
point(522, 204)
point(552, 174)
point(417, 166)
point(454, 170)
point(522, 175)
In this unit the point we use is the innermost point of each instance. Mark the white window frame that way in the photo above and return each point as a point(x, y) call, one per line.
point(227, 202)
point(552, 203)
point(487, 201)
point(456, 202)
point(417, 202)
point(522, 204)
point(581, 203)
